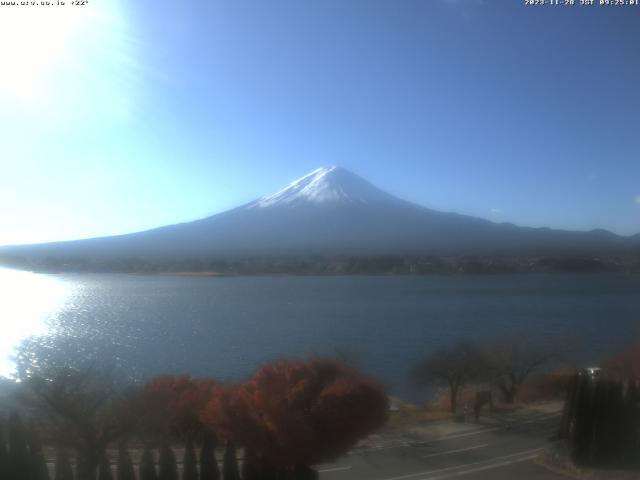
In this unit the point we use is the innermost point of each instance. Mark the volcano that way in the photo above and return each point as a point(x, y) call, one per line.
point(331, 211)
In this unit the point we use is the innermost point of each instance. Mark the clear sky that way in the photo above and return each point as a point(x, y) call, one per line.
point(120, 116)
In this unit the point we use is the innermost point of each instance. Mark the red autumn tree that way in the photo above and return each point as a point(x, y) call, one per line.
point(299, 412)
point(625, 364)
point(227, 414)
point(180, 400)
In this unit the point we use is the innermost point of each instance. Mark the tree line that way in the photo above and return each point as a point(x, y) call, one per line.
point(601, 418)
point(22, 457)
point(601, 421)
point(361, 264)
point(504, 364)
point(289, 416)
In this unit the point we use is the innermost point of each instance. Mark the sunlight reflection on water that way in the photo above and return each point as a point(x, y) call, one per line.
point(28, 302)
point(143, 325)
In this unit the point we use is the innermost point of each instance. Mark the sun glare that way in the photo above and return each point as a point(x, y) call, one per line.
point(27, 301)
point(32, 40)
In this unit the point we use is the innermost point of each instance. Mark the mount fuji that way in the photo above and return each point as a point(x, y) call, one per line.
point(331, 211)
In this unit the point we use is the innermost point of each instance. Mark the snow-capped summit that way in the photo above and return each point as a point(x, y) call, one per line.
point(330, 211)
point(326, 185)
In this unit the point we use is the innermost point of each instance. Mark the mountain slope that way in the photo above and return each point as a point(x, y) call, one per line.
point(332, 211)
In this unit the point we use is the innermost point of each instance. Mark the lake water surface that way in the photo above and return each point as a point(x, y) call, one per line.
point(225, 327)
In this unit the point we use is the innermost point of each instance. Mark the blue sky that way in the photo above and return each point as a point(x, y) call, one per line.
point(122, 116)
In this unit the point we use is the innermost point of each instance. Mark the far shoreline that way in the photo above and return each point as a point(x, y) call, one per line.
point(213, 274)
point(456, 266)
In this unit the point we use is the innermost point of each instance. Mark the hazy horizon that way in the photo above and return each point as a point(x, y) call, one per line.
point(135, 116)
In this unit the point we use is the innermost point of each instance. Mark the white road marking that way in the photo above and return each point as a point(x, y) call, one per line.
point(335, 469)
point(528, 454)
point(358, 451)
point(449, 452)
point(483, 468)
point(444, 438)
point(467, 434)
point(426, 442)
point(538, 420)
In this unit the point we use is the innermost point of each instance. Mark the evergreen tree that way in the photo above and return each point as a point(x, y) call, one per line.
point(616, 427)
point(230, 463)
point(582, 431)
point(168, 464)
point(86, 464)
point(4, 455)
point(19, 458)
point(569, 409)
point(39, 470)
point(208, 462)
point(268, 471)
point(250, 466)
point(147, 466)
point(63, 470)
point(631, 450)
point(190, 462)
point(104, 467)
point(125, 469)
point(598, 447)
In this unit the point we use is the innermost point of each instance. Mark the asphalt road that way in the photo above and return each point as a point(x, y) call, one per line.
point(497, 448)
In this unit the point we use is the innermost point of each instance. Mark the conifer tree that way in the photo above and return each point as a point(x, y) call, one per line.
point(86, 464)
point(39, 470)
point(168, 464)
point(208, 462)
point(125, 469)
point(268, 471)
point(4, 455)
point(616, 427)
point(569, 409)
point(19, 458)
point(147, 467)
point(583, 419)
point(63, 470)
point(230, 465)
point(190, 462)
point(104, 467)
point(631, 450)
point(250, 466)
point(598, 447)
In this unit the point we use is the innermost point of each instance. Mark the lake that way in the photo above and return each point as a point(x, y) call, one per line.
point(226, 326)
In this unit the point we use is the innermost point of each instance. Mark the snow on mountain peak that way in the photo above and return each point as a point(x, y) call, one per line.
point(326, 185)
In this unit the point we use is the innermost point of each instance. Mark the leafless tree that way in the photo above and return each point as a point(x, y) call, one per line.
point(454, 366)
point(511, 362)
point(85, 409)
